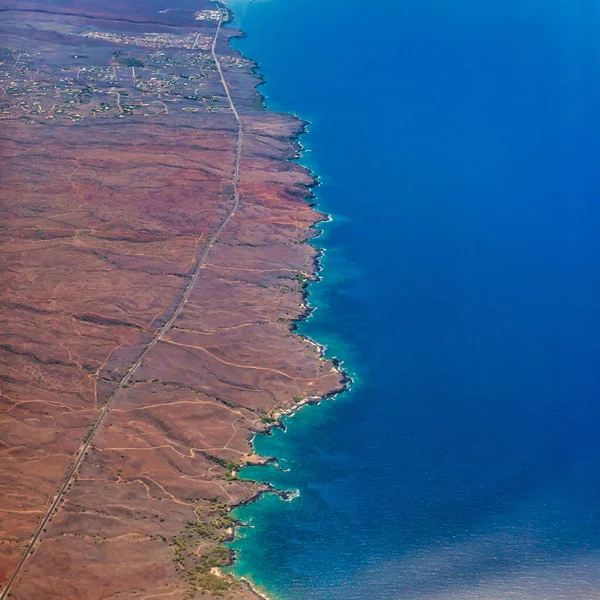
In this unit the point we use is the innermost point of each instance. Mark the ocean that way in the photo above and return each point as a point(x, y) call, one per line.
point(457, 144)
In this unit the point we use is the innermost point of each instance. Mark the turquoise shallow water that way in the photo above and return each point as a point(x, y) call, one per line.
point(458, 145)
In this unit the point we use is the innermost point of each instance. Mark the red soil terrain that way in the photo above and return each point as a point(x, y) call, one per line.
point(153, 246)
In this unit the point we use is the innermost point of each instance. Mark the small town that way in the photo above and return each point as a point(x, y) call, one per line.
point(208, 15)
point(147, 84)
point(154, 40)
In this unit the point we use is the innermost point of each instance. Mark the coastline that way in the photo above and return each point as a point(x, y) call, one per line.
point(254, 590)
point(321, 349)
point(314, 277)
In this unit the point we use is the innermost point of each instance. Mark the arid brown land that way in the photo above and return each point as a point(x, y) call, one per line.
point(153, 246)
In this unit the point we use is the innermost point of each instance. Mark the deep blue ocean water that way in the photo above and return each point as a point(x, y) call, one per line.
point(458, 144)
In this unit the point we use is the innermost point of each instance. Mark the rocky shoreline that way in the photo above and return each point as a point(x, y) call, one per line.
point(129, 404)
